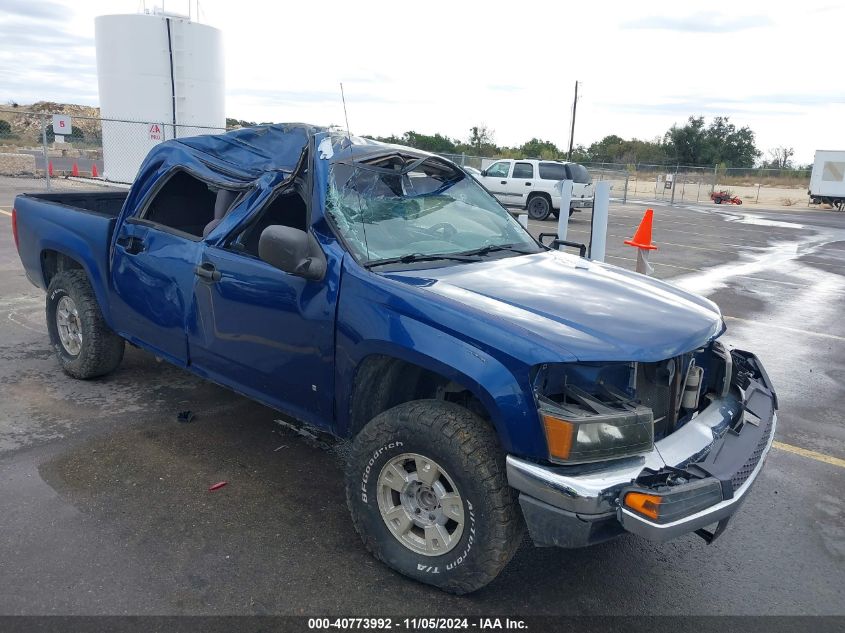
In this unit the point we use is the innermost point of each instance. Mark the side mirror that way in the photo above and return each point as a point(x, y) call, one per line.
point(483, 172)
point(292, 251)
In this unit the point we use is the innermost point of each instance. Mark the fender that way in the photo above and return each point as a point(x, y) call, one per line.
point(75, 248)
point(367, 326)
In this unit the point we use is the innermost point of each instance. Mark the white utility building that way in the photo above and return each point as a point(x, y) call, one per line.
point(160, 76)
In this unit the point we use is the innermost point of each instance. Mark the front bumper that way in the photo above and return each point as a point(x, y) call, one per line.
point(727, 442)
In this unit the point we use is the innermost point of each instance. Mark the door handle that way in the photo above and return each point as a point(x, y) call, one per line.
point(131, 244)
point(504, 182)
point(207, 271)
point(527, 184)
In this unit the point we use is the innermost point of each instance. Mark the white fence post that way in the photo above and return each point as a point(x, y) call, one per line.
point(598, 230)
point(44, 150)
point(565, 190)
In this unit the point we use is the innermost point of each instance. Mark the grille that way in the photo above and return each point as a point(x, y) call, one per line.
point(742, 475)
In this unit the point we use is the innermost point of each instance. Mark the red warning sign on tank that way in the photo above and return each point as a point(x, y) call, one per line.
point(155, 132)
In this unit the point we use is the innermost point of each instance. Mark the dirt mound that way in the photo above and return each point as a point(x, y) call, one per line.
point(26, 124)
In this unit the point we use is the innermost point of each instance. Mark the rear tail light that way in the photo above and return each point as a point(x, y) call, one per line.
point(15, 228)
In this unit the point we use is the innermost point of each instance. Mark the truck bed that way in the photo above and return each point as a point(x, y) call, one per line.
point(55, 227)
point(106, 203)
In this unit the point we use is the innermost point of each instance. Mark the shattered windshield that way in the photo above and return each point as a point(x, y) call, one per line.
point(396, 206)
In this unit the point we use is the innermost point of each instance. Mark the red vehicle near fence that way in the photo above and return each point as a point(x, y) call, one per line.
point(724, 196)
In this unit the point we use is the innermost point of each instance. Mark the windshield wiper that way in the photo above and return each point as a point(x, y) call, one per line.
point(492, 248)
point(420, 257)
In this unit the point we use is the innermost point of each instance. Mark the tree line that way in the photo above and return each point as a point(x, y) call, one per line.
point(694, 143)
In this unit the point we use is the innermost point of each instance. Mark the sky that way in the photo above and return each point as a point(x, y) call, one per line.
point(446, 66)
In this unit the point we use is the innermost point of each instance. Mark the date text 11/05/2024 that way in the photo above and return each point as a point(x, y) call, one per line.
point(415, 624)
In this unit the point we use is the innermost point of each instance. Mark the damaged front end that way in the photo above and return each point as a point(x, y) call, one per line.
point(657, 449)
point(599, 411)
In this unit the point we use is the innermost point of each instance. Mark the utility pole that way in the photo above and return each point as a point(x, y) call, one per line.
point(572, 130)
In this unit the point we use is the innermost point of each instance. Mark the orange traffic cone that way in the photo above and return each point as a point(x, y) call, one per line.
point(75, 170)
point(642, 237)
point(94, 172)
point(50, 168)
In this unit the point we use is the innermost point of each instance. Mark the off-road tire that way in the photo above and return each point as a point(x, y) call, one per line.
point(101, 350)
point(467, 448)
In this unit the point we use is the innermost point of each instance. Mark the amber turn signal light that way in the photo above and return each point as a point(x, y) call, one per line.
point(559, 435)
point(648, 505)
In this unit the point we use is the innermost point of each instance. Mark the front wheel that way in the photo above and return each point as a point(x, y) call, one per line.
point(84, 344)
point(426, 486)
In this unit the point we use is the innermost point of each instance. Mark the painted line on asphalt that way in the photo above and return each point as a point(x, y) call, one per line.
point(4, 212)
point(804, 452)
point(632, 259)
point(786, 328)
point(701, 270)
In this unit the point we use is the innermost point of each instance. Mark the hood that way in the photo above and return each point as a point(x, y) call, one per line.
point(592, 310)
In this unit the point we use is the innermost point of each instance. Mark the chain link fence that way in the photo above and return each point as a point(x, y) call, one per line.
point(107, 150)
point(670, 185)
point(111, 150)
point(682, 184)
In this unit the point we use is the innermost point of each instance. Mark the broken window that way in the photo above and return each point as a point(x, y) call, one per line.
point(287, 208)
point(396, 205)
point(184, 203)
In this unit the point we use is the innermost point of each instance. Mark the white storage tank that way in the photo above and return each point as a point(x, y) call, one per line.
point(160, 76)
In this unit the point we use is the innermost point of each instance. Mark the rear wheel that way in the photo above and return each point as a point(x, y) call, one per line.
point(426, 486)
point(84, 344)
point(539, 207)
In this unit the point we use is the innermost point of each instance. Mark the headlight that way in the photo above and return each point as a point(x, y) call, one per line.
point(578, 436)
point(587, 426)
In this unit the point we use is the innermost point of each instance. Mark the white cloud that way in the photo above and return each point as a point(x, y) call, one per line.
point(444, 66)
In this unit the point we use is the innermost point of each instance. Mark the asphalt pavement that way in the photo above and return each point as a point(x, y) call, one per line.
point(105, 508)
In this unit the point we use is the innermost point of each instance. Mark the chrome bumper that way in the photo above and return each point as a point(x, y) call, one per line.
point(573, 506)
point(637, 524)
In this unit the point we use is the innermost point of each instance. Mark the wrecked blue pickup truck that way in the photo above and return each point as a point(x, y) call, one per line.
point(487, 382)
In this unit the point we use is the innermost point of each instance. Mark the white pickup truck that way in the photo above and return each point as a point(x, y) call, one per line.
point(532, 185)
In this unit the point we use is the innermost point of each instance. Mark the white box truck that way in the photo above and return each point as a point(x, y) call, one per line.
point(827, 182)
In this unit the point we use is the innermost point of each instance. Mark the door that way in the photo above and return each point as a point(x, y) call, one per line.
point(521, 183)
point(153, 262)
point(265, 332)
point(496, 178)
